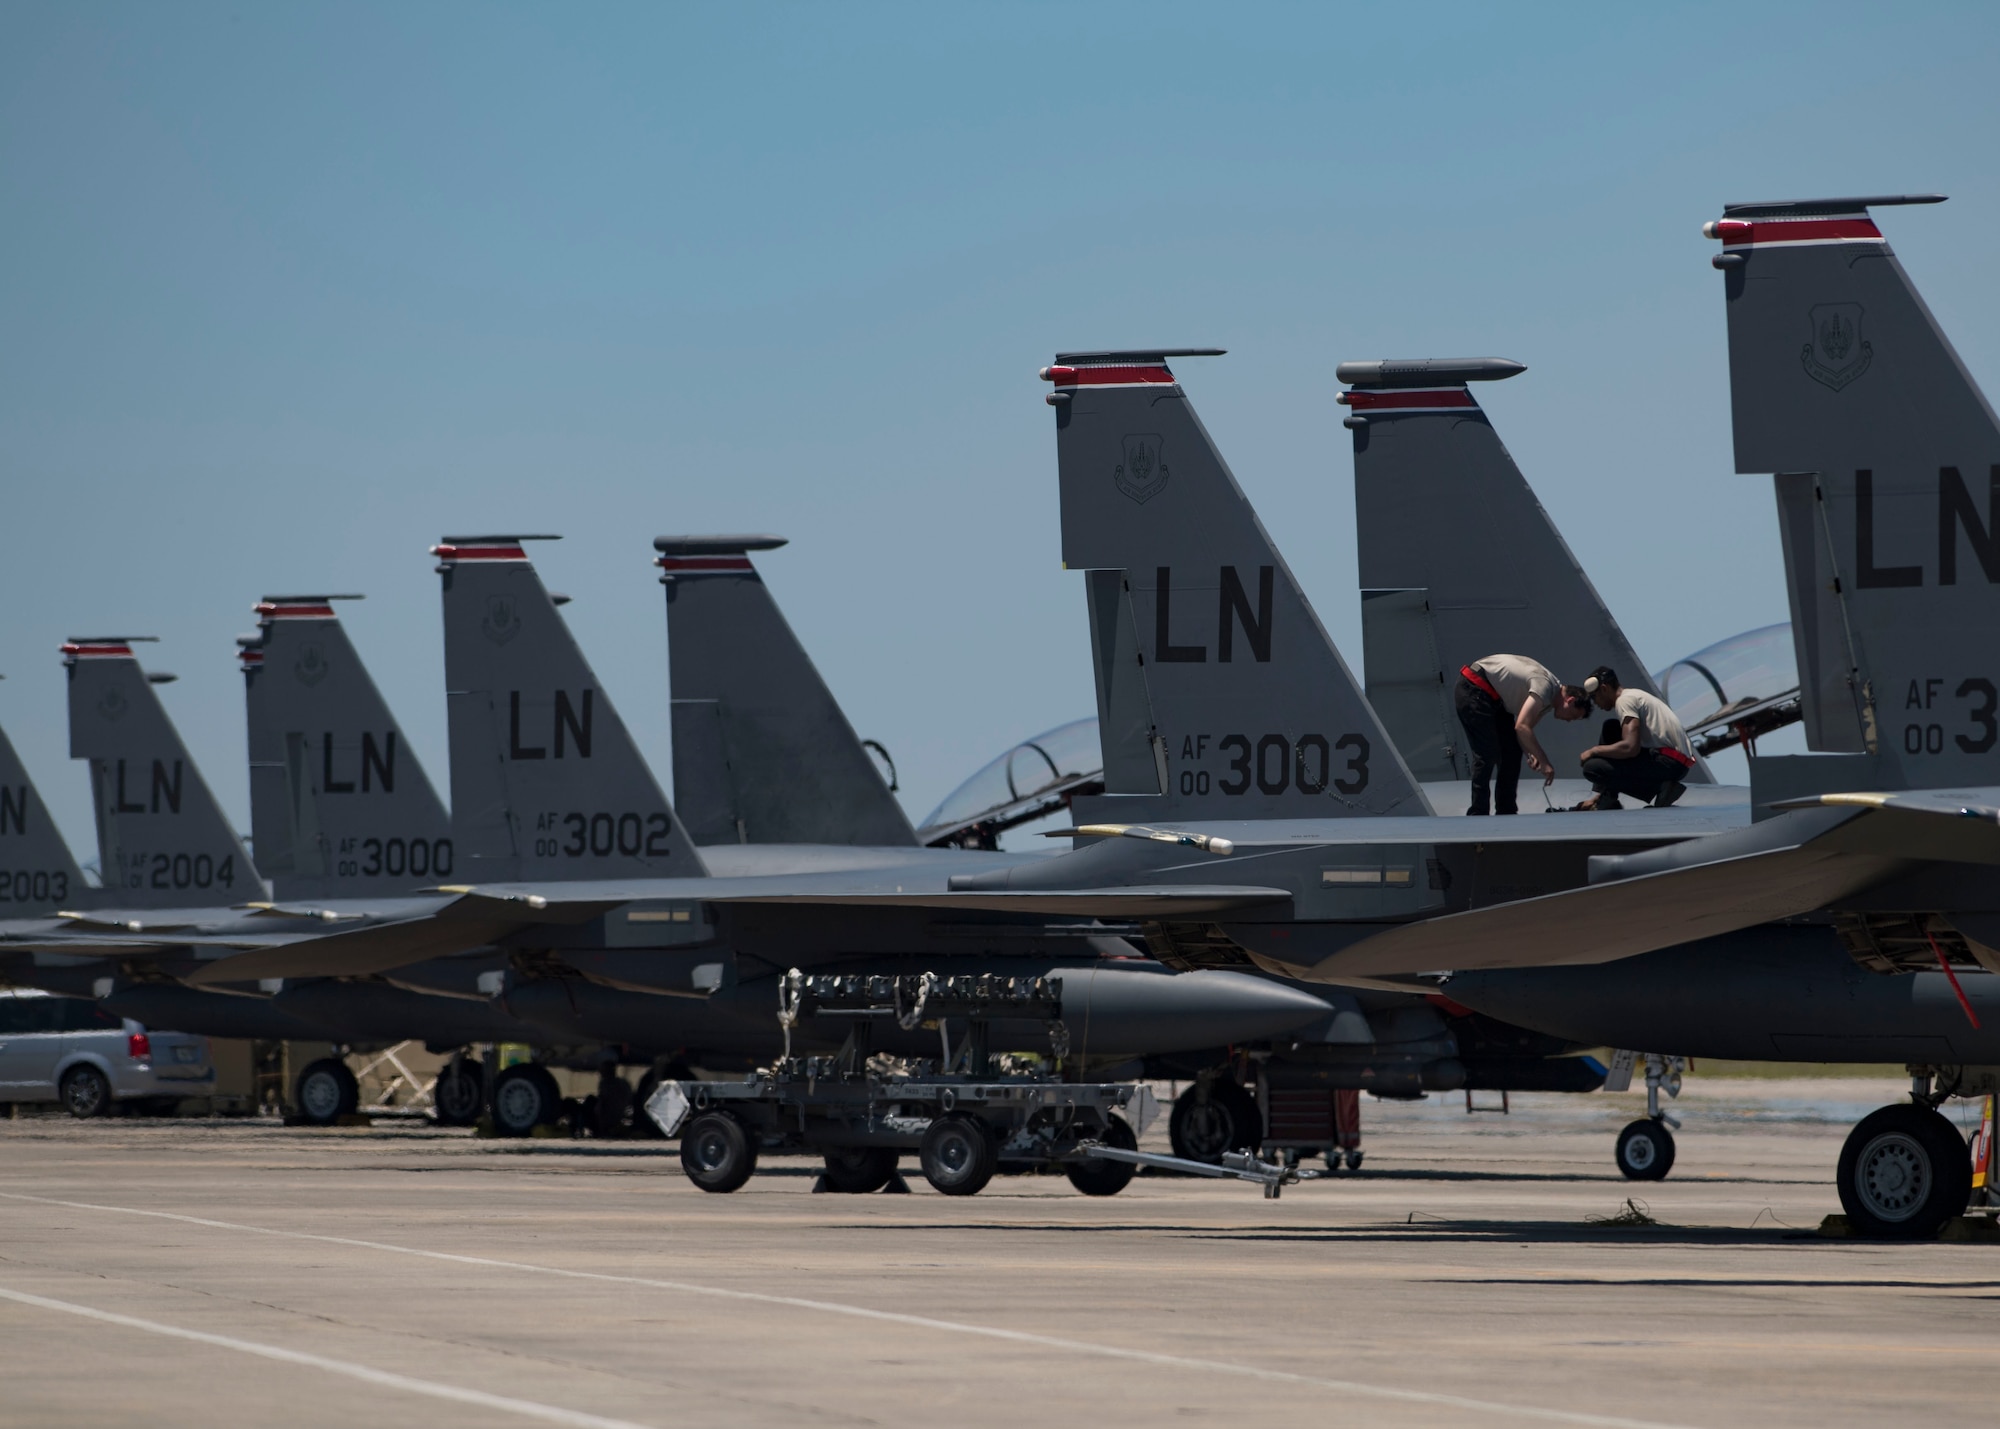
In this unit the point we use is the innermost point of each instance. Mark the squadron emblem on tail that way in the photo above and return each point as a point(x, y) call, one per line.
point(1836, 355)
point(1143, 473)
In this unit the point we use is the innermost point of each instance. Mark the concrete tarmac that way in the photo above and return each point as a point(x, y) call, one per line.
point(178, 1274)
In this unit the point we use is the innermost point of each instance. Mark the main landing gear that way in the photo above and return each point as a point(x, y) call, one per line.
point(1904, 1170)
point(1646, 1147)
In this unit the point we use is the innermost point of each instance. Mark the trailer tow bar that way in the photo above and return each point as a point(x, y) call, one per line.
point(1236, 1166)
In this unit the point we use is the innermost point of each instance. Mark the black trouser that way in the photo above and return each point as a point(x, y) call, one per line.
point(1496, 749)
point(1642, 776)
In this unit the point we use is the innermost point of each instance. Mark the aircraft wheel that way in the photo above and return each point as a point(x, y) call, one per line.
point(857, 1170)
point(1096, 1177)
point(958, 1155)
point(1645, 1151)
point(85, 1092)
point(1203, 1127)
point(525, 1096)
point(1903, 1173)
point(459, 1094)
point(326, 1091)
point(717, 1152)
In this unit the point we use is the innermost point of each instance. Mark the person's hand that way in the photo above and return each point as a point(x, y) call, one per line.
point(1550, 777)
point(1542, 766)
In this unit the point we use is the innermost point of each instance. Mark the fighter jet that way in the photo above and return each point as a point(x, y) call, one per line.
point(1844, 385)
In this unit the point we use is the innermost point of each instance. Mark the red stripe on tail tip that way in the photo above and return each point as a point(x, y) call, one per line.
point(704, 565)
point(271, 611)
point(1406, 399)
point(98, 652)
point(479, 553)
point(1108, 376)
point(1757, 233)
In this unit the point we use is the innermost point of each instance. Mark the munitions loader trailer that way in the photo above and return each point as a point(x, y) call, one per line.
point(965, 1119)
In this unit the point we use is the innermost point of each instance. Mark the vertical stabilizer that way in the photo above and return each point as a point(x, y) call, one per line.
point(162, 840)
point(339, 805)
point(1253, 712)
point(1460, 561)
point(1887, 458)
point(37, 872)
point(763, 753)
point(546, 783)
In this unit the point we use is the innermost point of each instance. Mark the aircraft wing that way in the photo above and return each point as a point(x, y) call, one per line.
point(1162, 901)
point(1640, 903)
point(360, 951)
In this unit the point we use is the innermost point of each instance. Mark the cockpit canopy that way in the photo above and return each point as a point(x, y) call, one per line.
point(1036, 777)
point(1735, 689)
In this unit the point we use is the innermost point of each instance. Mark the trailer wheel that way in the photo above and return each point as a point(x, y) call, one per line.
point(1095, 1177)
point(958, 1155)
point(1903, 1173)
point(717, 1153)
point(857, 1170)
point(326, 1091)
point(458, 1094)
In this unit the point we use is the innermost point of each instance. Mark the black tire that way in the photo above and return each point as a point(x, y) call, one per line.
point(459, 1094)
point(525, 1096)
point(958, 1155)
point(325, 1092)
point(613, 1114)
point(1105, 1178)
point(717, 1152)
point(857, 1170)
point(1645, 1151)
point(1207, 1122)
point(1904, 1172)
point(86, 1092)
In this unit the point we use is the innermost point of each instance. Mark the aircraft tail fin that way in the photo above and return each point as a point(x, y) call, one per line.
point(1459, 561)
point(161, 837)
point(339, 804)
point(762, 751)
point(38, 874)
point(1887, 463)
point(1207, 648)
point(546, 782)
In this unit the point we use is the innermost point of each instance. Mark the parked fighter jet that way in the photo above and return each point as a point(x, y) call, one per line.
point(1883, 841)
point(756, 684)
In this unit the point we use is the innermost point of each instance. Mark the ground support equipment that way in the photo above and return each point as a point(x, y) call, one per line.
point(964, 1117)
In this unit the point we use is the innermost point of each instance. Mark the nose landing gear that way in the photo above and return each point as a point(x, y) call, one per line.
point(1646, 1147)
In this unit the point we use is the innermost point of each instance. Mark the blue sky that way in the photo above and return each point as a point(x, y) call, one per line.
point(290, 291)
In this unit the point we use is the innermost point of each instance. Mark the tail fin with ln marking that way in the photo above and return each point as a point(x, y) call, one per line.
point(1887, 464)
point(1218, 688)
point(339, 805)
point(162, 840)
point(546, 782)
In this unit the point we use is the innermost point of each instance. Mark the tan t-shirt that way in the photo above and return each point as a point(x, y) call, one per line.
point(1516, 677)
point(1659, 727)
